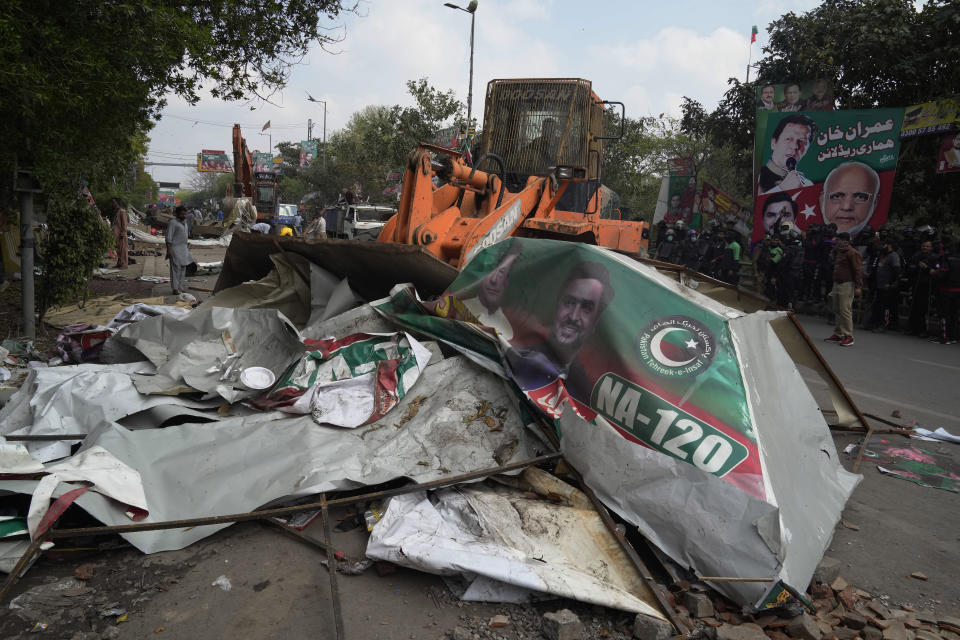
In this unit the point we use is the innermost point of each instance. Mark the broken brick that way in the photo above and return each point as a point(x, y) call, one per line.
point(502, 621)
point(740, 632)
point(848, 597)
point(843, 633)
point(896, 631)
point(927, 635)
point(698, 604)
point(821, 592)
point(776, 634)
point(839, 584)
point(562, 625)
point(854, 620)
point(650, 628)
point(804, 627)
point(827, 571)
point(919, 575)
point(872, 633)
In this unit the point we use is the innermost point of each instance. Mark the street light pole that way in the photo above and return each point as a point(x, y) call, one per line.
point(472, 10)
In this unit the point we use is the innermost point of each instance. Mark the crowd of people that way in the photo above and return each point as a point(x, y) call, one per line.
point(907, 280)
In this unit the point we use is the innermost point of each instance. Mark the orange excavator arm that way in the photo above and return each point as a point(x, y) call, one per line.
point(242, 166)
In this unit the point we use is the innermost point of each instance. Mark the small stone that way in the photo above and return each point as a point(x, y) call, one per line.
point(850, 525)
point(740, 632)
point(827, 571)
point(804, 627)
point(826, 629)
point(880, 623)
point(927, 635)
point(926, 616)
point(776, 634)
point(854, 620)
point(650, 628)
point(866, 595)
point(843, 633)
point(896, 414)
point(919, 575)
point(907, 607)
point(763, 621)
point(896, 631)
point(498, 621)
point(912, 623)
point(839, 584)
point(698, 604)
point(711, 622)
point(872, 633)
point(562, 625)
point(459, 633)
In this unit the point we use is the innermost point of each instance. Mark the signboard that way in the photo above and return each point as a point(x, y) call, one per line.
point(718, 206)
point(308, 151)
point(262, 162)
point(825, 167)
point(949, 157)
point(211, 161)
point(167, 196)
point(790, 97)
point(936, 116)
point(681, 195)
point(668, 380)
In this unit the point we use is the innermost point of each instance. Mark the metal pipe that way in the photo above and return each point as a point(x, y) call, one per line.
point(284, 511)
point(27, 244)
point(331, 566)
point(473, 16)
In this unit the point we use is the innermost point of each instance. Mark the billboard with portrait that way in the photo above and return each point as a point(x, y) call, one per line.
point(308, 151)
point(718, 206)
point(790, 97)
point(825, 167)
point(262, 162)
point(948, 159)
point(211, 161)
point(681, 199)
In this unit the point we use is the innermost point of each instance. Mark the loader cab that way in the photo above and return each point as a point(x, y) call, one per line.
point(535, 125)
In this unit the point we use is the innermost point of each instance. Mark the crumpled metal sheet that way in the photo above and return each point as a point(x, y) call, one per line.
point(59, 400)
point(207, 350)
point(193, 470)
point(501, 535)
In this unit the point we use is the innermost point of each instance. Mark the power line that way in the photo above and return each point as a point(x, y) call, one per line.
point(214, 123)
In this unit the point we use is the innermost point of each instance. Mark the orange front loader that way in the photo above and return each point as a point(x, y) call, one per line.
point(540, 177)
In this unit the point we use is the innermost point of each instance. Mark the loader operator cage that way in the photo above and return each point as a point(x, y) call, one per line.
point(537, 124)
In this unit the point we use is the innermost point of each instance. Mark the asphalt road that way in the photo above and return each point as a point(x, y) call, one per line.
point(888, 371)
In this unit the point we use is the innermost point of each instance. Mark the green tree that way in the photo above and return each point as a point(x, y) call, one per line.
point(81, 79)
point(75, 242)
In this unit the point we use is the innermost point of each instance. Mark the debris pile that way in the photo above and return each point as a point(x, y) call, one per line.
point(514, 433)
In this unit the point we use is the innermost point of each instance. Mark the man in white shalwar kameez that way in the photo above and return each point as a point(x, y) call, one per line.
point(177, 251)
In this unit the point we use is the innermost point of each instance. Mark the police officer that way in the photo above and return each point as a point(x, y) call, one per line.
point(790, 266)
point(886, 282)
point(669, 248)
point(948, 278)
point(918, 270)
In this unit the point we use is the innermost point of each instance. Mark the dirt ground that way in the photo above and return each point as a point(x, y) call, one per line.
point(254, 581)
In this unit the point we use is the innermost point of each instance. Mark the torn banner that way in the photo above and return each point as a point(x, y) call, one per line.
point(351, 381)
point(732, 443)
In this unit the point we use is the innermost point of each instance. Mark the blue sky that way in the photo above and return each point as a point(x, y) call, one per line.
point(645, 54)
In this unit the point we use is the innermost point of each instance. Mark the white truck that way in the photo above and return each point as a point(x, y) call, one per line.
point(357, 221)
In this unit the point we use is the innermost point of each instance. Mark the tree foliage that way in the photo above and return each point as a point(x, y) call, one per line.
point(75, 242)
point(376, 140)
point(81, 79)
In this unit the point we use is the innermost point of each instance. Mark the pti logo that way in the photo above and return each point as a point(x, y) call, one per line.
point(676, 347)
